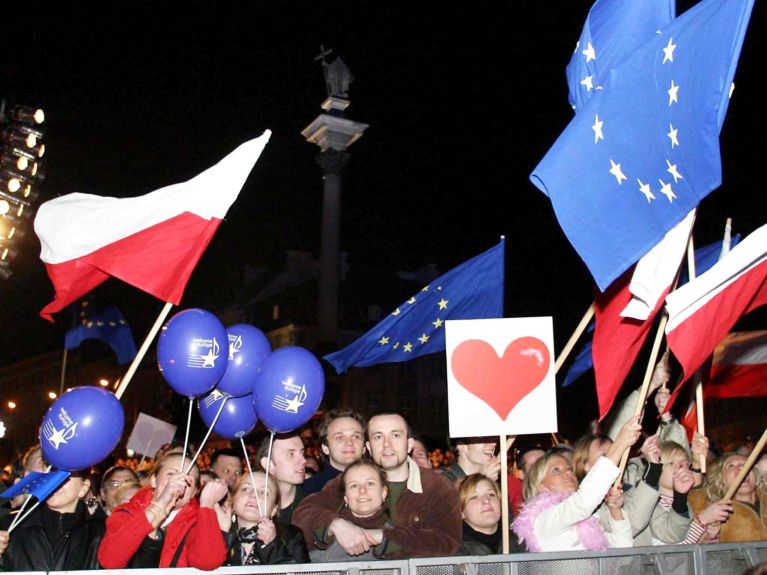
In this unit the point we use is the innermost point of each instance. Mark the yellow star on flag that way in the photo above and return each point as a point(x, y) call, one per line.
point(437, 324)
point(442, 303)
point(395, 312)
point(384, 340)
point(424, 338)
point(408, 347)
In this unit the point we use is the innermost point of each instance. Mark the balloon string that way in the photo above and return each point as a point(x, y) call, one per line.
point(268, 464)
point(186, 435)
point(252, 479)
point(210, 429)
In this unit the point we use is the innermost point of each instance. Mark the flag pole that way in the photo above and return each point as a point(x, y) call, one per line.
point(63, 371)
point(698, 376)
point(645, 387)
point(144, 348)
point(747, 466)
point(505, 444)
point(574, 338)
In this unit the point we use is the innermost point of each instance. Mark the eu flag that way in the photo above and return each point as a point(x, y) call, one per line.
point(612, 31)
point(473, 290)
point(644, 151)
point(40, 485)
point(105, 322)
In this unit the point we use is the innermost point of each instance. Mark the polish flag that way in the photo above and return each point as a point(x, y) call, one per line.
point(703, 311)
point(152, 242)
point(626, 310)
point(740, 366)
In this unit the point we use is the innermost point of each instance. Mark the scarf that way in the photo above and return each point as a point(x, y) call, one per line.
point(590, 532)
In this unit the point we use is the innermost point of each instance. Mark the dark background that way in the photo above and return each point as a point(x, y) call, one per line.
point(462, 102)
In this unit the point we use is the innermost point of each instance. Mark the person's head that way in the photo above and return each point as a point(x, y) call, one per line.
point(123, 494)
point(480, 503)
point(170, 465)
point(342, 437)
point(227, 465)
point(364, 487)
point(389, 443)
point(474, 452)
point(552, 472)
point(206, 475)
point(248, 505)
point(33, 460)
point(288, 463)
point(65, 498)
point(114, 478)
point(760, 468)
point(420, 454)
point(673, 456)
point(587, 450)
point(722, 475)
point(526, 457)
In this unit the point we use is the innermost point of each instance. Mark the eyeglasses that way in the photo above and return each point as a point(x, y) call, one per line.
point(115, 483)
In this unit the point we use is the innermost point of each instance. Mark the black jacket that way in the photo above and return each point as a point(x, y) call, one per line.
point(52, 541)
point(288, 547)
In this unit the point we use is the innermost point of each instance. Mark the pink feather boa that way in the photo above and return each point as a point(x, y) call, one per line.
point(590, 532)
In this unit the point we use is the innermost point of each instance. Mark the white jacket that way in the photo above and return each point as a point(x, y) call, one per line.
point(555, 528)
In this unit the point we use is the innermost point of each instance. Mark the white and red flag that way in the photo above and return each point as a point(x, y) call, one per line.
point(703, 311)
point(739, 368)
point(152, 242)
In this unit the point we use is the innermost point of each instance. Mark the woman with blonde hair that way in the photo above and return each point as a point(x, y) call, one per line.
point(748, 519)
point(481, 512)
point(255, 536)
point(558, 514)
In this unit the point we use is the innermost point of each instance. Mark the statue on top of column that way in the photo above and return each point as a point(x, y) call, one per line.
point(337, 74)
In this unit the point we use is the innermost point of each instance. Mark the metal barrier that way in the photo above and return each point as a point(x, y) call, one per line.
point(722, 559)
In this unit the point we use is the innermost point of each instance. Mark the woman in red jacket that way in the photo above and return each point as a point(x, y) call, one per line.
point(164, 525)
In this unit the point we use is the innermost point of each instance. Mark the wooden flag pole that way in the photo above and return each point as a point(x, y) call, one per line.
point(574, 338)
point(746, 466)
point(144, 348)
point(698, 379)
point(645, 387)
point(505, 446)
point(63, 371)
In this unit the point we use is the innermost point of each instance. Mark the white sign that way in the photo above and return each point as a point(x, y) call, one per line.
point(500, 376)
point(149, 434)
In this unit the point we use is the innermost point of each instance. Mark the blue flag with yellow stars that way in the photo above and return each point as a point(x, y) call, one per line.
point(473, 290)
point(40, 485)
point(96, 320)
point(612, 31)
point(643, 151)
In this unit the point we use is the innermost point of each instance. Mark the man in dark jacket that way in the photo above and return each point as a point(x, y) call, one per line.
point(60, 535)
point(423, 505)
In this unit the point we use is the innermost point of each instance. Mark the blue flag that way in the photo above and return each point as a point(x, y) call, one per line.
point(40, 485)
point(612, 31)
point(473, 290)
point(644, 151)
point(106, 323)
point(582, 362)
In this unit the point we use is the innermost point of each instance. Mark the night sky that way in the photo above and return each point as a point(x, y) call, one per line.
point(462, 101)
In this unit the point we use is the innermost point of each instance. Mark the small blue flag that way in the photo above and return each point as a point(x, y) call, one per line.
point(612, 31)
point(40, 485)
point(93, 321)
point(473, 290)
point(582, 362)
point(644, 150)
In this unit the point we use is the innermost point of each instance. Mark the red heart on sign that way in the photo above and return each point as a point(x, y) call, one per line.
point(501, 382)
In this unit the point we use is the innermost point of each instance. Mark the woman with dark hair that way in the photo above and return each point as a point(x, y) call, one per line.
point(163, 525)
point(365, 489)
point(256, 537)
point(60, 535)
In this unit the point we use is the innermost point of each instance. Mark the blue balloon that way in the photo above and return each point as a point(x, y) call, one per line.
point(248, 348)
point(288, 389)
point(237, 419)
point(192, 352)
point(81, 428)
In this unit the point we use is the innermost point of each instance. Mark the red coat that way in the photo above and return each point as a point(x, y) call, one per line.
point(128, 527)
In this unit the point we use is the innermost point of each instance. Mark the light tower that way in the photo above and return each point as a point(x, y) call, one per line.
point(333, 133)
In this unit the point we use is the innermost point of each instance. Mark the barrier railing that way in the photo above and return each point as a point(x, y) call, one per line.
point(722, 559)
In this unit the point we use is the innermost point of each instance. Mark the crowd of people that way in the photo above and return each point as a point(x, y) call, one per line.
point(379, 495)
